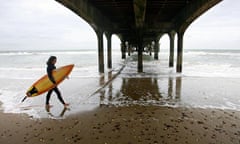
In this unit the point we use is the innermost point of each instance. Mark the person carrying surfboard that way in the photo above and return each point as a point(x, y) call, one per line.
point(50, 68)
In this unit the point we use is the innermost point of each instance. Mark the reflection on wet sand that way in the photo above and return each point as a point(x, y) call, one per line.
point(144, 90)
point(140, 89)
point(47, 108)
point(178, 86)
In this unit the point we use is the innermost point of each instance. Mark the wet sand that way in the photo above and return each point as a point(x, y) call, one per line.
point(126, 125)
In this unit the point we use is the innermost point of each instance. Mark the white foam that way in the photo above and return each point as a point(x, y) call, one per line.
point(212, 70)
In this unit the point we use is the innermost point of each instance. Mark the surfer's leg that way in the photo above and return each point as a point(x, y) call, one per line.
point(59, 95)
point(48, 96)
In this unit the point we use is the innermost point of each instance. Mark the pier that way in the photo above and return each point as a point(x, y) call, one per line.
point(139, 24)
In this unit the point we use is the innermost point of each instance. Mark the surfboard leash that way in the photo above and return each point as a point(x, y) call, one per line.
point(24, 99)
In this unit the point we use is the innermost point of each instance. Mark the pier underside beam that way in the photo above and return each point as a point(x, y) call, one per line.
point(132, 19)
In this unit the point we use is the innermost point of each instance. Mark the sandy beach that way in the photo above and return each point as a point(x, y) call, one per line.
point(126, 125)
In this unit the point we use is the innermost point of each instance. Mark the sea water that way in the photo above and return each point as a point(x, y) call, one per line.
point(210, 78)
point(20, 69)
point(212, 63)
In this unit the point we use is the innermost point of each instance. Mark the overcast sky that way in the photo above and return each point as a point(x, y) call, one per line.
point(46, 24)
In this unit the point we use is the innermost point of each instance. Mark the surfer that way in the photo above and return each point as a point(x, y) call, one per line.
point(50, 67)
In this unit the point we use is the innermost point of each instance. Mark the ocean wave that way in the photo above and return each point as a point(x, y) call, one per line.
point(12, 53)
point(211, 70)
point(21, 69)
point(213, 53)
point(15, 53)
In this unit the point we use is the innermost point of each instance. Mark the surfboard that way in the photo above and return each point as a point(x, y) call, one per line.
point(44, 84)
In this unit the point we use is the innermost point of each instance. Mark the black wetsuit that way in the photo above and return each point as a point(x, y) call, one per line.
point(50, 69)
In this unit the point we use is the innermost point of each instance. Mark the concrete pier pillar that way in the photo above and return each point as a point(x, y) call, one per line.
point(109, 50)
point(100, 51)
point(156, 49)
point(129, 49)
point(140, 57)
point(140, 50)
point(179, 51)
point(149, 48)
point(123, 50)
point(171, 56)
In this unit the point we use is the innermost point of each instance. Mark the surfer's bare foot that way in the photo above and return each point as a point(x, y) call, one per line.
point(48, 106)
point(66, 104)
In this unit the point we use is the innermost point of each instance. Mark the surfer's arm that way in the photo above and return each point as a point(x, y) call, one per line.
point(50, 75)
point(52, 79)
point(66, 77)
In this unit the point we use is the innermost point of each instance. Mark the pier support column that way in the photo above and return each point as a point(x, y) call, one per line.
point(171, 56)
point(123, 50)
point(100, 51)
point(109, 49)
point(129, 49)
point(149, 48)
point(156, 49)
point(140, 57)
point(150, 51)
point(180, 51)
point(140, 50)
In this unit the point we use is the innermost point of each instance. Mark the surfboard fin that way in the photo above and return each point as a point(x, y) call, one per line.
point(24, 98)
